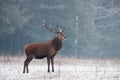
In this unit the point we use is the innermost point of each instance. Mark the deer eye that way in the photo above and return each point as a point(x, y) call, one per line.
point(62, 35)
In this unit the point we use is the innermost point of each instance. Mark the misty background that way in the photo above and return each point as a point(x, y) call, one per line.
point(92, 27)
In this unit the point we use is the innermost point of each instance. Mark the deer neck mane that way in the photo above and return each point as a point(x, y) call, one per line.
point(57, 43)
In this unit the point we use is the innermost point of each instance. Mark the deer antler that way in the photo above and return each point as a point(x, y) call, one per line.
point(47, 26)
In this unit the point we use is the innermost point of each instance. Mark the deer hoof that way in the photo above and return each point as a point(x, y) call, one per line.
point(52, 70)
point(48, 71)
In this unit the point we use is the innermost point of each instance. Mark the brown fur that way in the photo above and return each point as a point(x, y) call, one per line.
point(41, 50)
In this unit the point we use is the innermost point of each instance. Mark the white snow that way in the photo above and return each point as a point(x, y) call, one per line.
point(65, 69)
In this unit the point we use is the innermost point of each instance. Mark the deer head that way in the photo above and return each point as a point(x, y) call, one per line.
point(59, 33)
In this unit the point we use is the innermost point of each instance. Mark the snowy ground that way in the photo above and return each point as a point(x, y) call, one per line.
point(11, 68)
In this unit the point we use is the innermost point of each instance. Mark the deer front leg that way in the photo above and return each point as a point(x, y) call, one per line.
point(52, 62)
point(24, 68)
point(48, 62)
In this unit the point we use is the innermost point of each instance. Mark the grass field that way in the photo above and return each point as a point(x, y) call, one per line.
point(11, 68)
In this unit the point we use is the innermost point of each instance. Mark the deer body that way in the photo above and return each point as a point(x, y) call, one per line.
point(41, 50)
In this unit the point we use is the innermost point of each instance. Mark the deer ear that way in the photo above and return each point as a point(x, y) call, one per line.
point(62, 31)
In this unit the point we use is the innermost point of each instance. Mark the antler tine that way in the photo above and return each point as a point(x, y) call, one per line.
point(47, 26)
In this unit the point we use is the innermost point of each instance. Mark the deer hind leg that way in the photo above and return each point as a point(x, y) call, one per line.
point(26, 63)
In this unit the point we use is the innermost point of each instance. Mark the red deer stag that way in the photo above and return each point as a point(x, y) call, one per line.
point(46, 49)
